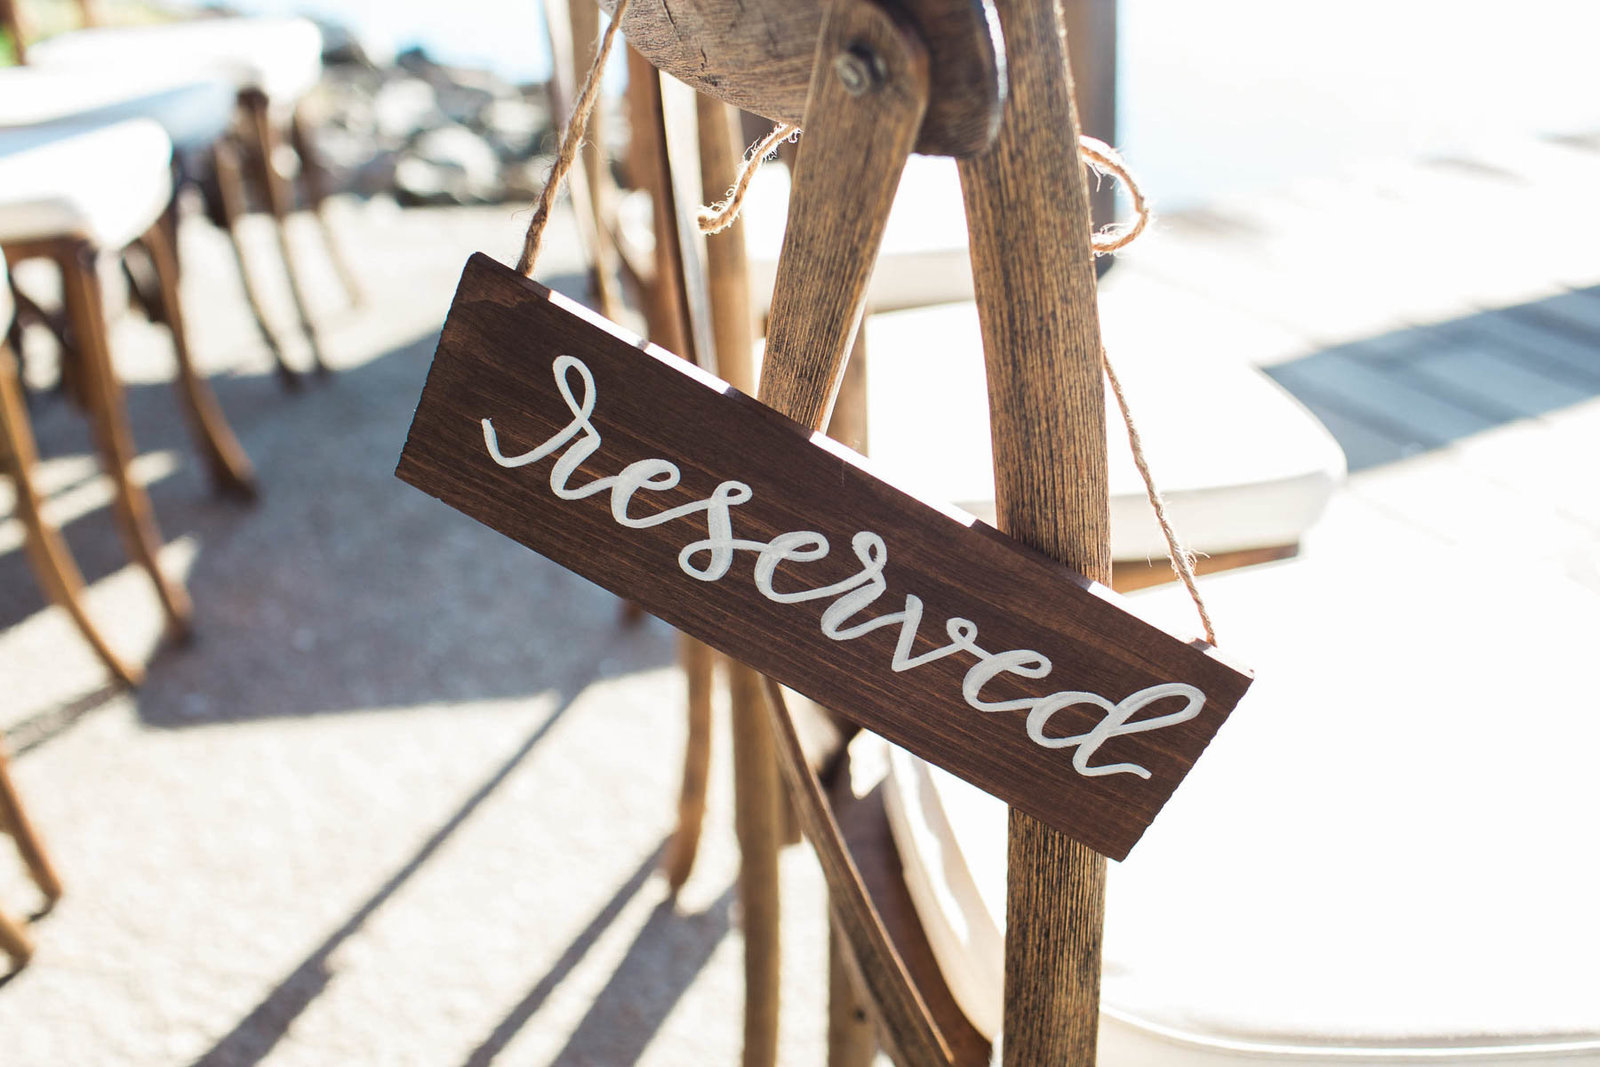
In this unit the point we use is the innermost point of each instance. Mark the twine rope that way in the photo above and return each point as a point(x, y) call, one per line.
point(571, 139)
point(714, 218)
point(1100, 157)
point(1181, 557)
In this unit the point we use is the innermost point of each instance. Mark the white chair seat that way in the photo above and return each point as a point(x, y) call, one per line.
point(105, 183)
point(1242, 465)
point(282, 57)
point(923, 259)
point(1311, 896)
point(193, 111)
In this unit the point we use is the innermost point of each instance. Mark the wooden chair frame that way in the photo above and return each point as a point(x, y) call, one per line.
point(1029, 215)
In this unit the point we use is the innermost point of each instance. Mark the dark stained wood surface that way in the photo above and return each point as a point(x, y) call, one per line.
point(494, 361)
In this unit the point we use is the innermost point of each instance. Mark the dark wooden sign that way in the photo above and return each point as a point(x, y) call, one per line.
point(778, 547)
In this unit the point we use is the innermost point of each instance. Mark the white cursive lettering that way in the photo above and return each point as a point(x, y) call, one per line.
point(579, 441)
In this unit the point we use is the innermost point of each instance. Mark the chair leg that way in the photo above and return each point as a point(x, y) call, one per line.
point(14, 818)
point(14, 940)
point(48, 553)
point(698, 667)
point(231, 199)
point(230, 469)
point(315, 176)
point(264, 138)
point(851, 1040)
point(756, 820)
point(109, 425)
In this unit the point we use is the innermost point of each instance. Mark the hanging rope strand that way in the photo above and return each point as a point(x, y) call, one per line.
point(1100, 157)
point(714, 218)
point(1181, 558)
point(570, 142)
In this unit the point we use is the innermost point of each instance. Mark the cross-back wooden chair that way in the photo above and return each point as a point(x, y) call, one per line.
point(1296, 490)
point(857, 76)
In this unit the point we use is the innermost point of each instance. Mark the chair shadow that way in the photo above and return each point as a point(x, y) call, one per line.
point(1415, 390)
point(254, 1036)
point(343, 589)
point(535, 998)
point(659, 966)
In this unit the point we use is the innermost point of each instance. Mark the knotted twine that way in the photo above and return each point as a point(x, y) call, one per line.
point(1099, 157)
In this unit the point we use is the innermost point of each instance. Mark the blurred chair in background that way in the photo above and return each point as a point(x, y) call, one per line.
point(70, 195)
point(271, 65)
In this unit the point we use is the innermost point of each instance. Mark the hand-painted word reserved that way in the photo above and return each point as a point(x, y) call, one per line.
point(708, 560)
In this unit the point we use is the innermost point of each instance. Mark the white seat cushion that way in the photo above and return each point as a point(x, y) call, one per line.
point(1311, 895)
point(1242, 465)
point(108, 184)
point(282, 57)
point(193, 111)
point(924, 255)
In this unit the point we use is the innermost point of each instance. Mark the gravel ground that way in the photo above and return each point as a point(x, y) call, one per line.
point(401, 800)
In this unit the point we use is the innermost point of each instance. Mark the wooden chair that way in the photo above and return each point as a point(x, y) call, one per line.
point(859, 81)
point(271, 64)
point(1246, 504)
point(197, 113)
point(61, 200)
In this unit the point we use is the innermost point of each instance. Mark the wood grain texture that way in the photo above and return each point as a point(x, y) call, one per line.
point(1033, 275)
point(845, 181)
point(758, 55)
point(759, 813)
point(494, 362)
point(758, 822)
